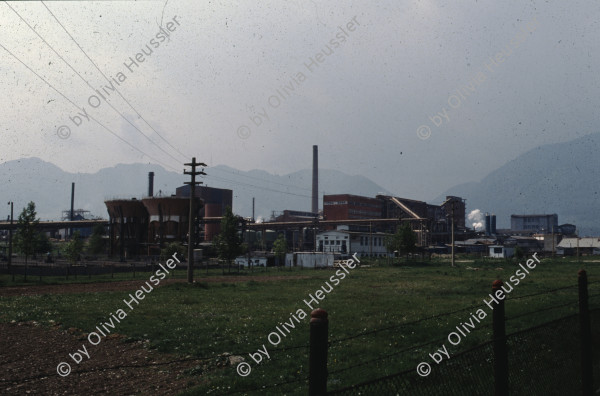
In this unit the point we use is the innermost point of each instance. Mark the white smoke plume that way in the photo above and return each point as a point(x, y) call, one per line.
point(477, 219)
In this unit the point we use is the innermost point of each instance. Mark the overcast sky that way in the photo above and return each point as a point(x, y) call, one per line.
point(404, 92)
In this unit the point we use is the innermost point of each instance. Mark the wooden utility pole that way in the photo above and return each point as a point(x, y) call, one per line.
point(10, 244)
point(453, 233)
point(191, 228)
point(552, 240)
point(370, 239)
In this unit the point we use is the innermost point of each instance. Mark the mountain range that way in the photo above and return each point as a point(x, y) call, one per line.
point(553, 178)
point(32, 179)
point(559, 178)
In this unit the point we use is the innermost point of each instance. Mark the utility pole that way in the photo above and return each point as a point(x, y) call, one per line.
point(453, 233)
point(315, 230)
point(552, 240)
point(71, 214)
point(191, 228)
point(10, 232)
point(370, 239)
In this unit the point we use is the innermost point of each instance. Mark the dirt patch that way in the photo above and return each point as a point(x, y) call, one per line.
point(29, 355)
point(74, 288)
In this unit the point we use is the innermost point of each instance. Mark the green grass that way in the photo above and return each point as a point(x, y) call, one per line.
point(179, 273)
point(207, 319)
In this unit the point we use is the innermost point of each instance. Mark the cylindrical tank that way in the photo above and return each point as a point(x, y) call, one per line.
point(488, 224)
point(493, 225)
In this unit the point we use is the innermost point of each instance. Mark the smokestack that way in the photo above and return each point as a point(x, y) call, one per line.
point(150, 184)
point(252, 208)
point(315, 180)
point(72, 206)
point(72, 200)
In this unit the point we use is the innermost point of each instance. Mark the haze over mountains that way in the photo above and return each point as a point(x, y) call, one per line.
point(555, 178)
point(32, 179)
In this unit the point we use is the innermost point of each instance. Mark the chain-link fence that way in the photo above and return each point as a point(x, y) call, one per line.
point(542, 360)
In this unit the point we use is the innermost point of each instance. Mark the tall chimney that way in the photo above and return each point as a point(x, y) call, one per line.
point(150, 184)
point(315, 180)
point(72, 200)
point(72, 206)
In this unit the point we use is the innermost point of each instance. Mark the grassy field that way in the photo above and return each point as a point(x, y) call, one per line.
point(374, 312)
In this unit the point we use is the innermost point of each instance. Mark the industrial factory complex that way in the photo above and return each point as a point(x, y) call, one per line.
point(344, 223)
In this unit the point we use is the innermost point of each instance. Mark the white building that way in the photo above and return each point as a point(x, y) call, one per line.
point(350, 242)
point(252, 261)
point(309, 259)
point(498, 251)
point(585, 246)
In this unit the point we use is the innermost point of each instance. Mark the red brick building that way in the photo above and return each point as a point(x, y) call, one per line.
point(349, 207)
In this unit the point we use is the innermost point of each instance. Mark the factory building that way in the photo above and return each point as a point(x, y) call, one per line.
point(350, 207)
point(294, 215)
point(431, 223)
point(534, 223)
point(128, 227)
point(215, 201)
point(348, 242)
point(167, 219)
point(143, 227)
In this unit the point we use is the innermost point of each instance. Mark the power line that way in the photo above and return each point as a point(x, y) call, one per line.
point(258, 187)
point(107, 79)
point(116, 89)
point(91, 117)
point(264, 180)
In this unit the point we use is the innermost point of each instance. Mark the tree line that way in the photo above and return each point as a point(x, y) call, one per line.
point(30, 241)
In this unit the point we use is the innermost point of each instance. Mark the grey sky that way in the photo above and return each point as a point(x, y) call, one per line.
point(362, 105)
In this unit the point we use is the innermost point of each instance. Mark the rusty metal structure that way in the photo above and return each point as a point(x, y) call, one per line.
point(128, 227)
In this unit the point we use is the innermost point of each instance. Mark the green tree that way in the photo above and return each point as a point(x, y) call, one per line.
point(403, 241)
point(96, 243)
point(519, 253)
point(74, 248)
point(26, 238)
point(42, 244)
point(171, 248)
point(280, 248)
point(228, 243)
